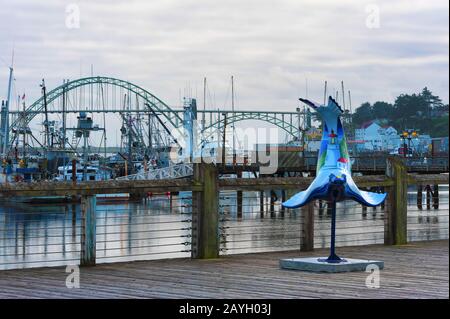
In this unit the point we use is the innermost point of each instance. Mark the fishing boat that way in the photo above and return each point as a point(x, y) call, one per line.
point(88, 173)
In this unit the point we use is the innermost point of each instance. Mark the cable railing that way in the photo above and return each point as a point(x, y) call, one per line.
point(215, 217)
point(428, 212)
point(158, 228)
point(38, 239)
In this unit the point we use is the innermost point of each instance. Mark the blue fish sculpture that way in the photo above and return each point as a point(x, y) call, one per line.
point(333, 174)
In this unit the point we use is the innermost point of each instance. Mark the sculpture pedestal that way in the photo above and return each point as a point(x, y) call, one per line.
point(315, 265)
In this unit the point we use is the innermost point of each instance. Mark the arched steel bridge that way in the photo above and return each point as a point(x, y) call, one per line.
point(107, 95)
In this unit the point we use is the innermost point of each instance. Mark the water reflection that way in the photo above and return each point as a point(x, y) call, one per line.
point(37, 235)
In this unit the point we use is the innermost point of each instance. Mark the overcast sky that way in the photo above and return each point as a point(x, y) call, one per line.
point(271, 47)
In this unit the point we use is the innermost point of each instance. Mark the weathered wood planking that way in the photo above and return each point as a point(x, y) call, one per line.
point(52, 188)
point(428, 179)
point(419, 270)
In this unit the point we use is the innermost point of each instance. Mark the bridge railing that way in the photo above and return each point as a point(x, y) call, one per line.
point(169, 172)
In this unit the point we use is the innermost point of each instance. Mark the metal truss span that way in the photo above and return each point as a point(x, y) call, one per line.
point(157, 105)
point(173, 117)
point(275, 118)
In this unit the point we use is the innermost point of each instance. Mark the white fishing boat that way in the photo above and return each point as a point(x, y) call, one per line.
point(88, 173)
point(93, 173)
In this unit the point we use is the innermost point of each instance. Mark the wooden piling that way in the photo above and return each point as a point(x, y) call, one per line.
point(396, 221)
point(428, 197)
point(307, 242)
point(261, 203)
point(272, 202)
point(88, 231)
point(419, 196)
point(283, 199)
point(436, 196)
point(205, 212)
point(320, 207)
point(239, 197)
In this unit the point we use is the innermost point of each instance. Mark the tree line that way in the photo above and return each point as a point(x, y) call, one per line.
point(424, 112)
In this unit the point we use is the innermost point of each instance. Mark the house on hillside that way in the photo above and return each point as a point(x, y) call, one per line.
point(372, 136)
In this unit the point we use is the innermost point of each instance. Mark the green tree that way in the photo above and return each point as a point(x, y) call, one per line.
point(411, 111)
point(434, 102)
point(423, 111)
point(382, 110)
point(440, 127)
point(362, 114)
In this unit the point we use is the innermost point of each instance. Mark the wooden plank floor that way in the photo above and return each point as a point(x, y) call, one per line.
point(418, 270)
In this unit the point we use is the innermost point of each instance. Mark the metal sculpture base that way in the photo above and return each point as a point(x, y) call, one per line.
point(315, 264)
point(333, 263)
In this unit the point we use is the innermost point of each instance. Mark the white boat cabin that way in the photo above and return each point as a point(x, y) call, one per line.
point(93, 173)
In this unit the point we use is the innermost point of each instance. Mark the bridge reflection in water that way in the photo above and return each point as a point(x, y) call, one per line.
point(160, 227)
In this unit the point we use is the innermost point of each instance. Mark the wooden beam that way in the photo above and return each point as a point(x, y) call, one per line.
point(53, 188)
point(396, 226)
point(205, 213)
point(88, 231)
point(307, 242)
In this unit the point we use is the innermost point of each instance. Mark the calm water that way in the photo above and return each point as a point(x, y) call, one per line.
point(49, 235)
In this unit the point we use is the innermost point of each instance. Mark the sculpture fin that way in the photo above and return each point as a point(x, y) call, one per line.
point(317, 189)
point(366, 198)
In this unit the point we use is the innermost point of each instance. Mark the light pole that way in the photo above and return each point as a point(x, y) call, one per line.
point(408, 134)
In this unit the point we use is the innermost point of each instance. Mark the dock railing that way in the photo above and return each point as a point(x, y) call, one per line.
point(234, 215)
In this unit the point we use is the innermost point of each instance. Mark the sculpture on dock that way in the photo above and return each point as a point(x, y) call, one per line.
point(333, 180)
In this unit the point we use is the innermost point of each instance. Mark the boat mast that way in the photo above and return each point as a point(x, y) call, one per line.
point(5, 132)
point(204, 104)
point(47, 134)
point(232, 109)
point(24, 130)
point(63, 144)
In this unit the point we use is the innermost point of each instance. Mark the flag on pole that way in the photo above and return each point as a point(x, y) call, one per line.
point(23, 96)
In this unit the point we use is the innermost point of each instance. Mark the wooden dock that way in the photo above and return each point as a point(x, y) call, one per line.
point(417, 270)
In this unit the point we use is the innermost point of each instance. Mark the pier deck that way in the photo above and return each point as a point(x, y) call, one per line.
point(417, 270)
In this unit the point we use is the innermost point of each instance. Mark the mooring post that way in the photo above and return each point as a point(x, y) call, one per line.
point(364, 210)
point(283, 199)
point(436, 196)
point(205, 212)
point(239, 197)
point(261, 203)
point(396, 221)
point(320, 207)
point(428, 198)
point(419, 196)
point(307, 242)
point(272, 203)
point(88, 230)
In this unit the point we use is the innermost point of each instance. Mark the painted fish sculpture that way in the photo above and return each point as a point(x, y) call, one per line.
point(333, 174)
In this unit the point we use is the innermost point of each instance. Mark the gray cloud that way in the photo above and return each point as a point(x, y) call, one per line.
point(269, 46)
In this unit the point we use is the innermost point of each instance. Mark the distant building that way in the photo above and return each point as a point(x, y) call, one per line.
point(313, 137)
point(373, 137)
